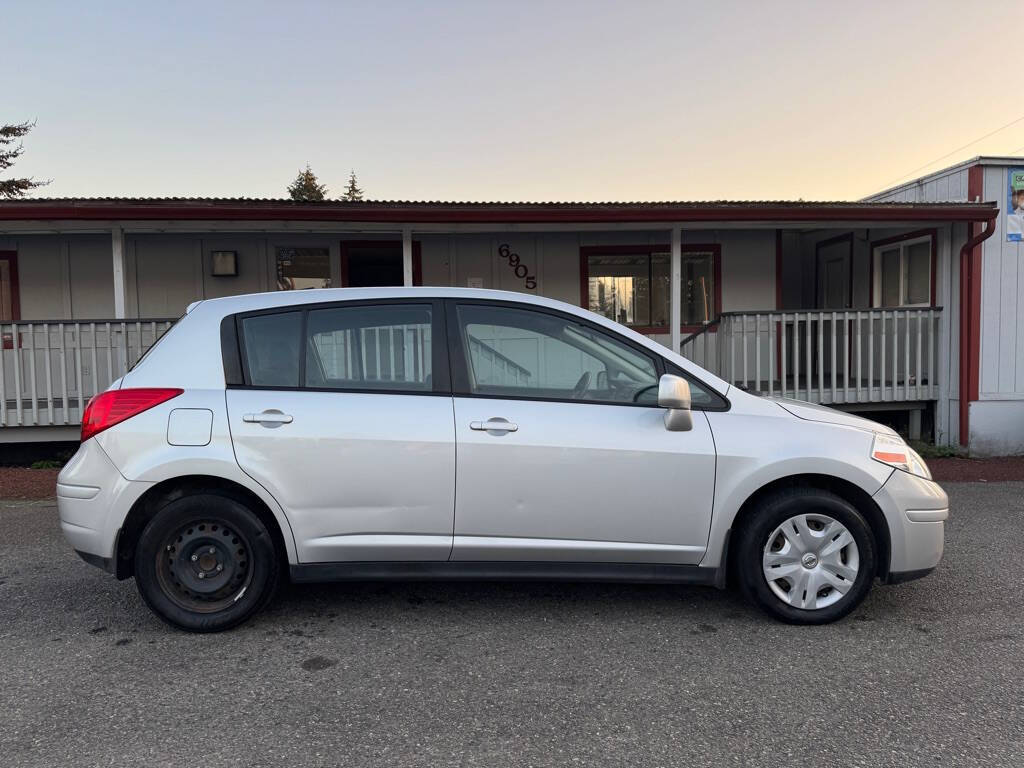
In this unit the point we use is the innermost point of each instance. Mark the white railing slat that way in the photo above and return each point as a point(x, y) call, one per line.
point(62, 355)
point(49, 376)
point(34, 392)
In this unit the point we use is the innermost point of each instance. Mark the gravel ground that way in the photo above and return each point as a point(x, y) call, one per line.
point(925, 673)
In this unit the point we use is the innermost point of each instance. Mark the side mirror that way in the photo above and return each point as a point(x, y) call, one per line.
point(674, 394)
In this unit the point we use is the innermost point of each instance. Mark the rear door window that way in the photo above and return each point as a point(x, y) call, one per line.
point(386, 347)
point(272, 349)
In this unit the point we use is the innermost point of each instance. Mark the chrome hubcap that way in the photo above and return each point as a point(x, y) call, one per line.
point(811, 561)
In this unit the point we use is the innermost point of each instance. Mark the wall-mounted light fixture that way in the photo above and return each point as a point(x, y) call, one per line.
point(224, 263)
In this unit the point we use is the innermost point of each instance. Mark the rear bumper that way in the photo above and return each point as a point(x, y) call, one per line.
point(916, 510)
point(93, 499)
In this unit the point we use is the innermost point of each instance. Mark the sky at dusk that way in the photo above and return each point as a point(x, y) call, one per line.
point(507, 101)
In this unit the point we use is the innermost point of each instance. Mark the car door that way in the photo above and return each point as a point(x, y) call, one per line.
point(344, 414)
point(562, 452)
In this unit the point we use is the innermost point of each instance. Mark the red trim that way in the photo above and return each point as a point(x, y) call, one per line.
point(11, 257)
point(848, 239)
point(932, 233)
point(970, 304)
point(410, 213)
point(417, 256)
point(647, 249)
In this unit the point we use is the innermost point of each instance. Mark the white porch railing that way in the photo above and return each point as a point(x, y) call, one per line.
point(50, 370)
point(825, 356)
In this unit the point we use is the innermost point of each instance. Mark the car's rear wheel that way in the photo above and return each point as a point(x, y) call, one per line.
point(806, 556)
point(206, 563)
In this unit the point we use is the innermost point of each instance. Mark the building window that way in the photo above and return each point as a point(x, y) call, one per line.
point(902, 271)
point(631, 285)
point(299, 268)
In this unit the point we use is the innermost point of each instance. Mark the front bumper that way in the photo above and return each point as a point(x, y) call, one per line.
point(916, 510)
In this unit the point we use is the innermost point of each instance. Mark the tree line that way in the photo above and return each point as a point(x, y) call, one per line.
point(305, 187)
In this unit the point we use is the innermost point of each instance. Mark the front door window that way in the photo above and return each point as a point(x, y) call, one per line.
point(521, 353)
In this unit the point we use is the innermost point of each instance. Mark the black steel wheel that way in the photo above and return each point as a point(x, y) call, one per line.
point(205, 563)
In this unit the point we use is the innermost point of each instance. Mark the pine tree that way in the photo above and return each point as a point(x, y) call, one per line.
point(12, 188)
point(352, 192)
point(306, 186)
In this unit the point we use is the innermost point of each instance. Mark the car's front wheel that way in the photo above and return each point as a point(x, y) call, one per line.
point(806, 556)
point(206, 563)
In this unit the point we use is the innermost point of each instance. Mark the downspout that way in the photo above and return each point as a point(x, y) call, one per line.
point(970, 321)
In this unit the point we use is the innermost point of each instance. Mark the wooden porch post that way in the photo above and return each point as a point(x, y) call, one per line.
point(117, 249)
point(406, 257)
point(676, 288)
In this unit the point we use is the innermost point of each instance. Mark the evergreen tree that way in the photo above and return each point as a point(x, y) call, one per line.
point(306, 186)
point(352, 192)
point(9, 152)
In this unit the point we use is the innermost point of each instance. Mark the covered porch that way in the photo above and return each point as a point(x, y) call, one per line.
point(842, 304)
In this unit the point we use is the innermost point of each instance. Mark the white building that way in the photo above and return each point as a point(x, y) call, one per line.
point(856, 305)
point(988, 291)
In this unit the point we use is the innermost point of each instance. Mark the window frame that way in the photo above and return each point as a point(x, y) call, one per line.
point(236, 364)
point(461, 380)
point(903, 242)
point(715, 249)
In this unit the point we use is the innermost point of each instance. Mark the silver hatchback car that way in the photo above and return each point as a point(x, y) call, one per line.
point(444, 433)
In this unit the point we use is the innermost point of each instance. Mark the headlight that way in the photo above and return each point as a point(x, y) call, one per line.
point(891, 450)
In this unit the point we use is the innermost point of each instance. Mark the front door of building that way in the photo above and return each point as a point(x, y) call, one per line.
point(835, 293)
point(373, 263)
point(8, 286)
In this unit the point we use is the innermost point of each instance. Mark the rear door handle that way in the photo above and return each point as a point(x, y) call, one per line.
point(494, 425)
point(270, 418)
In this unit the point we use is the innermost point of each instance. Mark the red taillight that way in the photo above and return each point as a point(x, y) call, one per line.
point(110, 408)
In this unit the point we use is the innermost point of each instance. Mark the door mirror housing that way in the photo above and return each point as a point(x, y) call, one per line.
point(674, 395)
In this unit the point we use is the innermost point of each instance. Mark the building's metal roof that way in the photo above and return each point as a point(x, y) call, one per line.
point(87, 201)
point(440, 211)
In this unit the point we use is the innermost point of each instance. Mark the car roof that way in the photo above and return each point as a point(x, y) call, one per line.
point(270, 299)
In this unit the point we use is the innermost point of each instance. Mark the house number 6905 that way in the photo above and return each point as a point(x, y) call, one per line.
point(520, 269)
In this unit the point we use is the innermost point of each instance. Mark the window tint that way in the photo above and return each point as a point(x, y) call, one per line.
point(272, 349)
point(524, 353)
point(365, 347)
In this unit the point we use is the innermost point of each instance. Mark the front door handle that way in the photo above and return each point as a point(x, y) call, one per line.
point(494, 425)
point(270, 418)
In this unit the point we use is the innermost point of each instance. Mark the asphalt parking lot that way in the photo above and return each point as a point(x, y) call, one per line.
point(926, 673)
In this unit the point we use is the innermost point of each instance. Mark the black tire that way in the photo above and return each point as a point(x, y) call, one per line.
point(218, 537)
point(771, 513)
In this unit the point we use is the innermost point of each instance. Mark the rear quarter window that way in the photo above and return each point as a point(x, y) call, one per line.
point(271, 345)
